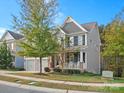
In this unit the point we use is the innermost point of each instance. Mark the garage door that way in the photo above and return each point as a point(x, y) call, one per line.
point(29, 65)
point(34, 64)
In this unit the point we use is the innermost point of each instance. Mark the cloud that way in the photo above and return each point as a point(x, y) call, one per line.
point(59, 18)
point(47, 1)
point(2, 30)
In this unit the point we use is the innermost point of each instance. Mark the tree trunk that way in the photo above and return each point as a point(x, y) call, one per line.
point(40, 65)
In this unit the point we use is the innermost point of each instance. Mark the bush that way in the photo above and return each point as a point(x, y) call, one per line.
point(71, 71)
point(57, 70)
point(47, 69)
point(118, 72)
point(17, 69)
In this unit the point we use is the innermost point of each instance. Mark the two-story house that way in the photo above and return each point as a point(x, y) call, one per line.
point(83, 48)
point(11, 38)
point(84, 45)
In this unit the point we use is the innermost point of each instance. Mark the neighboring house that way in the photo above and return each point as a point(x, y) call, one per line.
point(11, 38)
point(28, 63)
point(84, 46)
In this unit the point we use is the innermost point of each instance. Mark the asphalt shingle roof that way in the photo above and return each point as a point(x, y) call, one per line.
point(89, 26)
point(16, 35)
point(71, 27)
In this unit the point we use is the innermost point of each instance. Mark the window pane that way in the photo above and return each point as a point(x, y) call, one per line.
point(83, 39)
point(68, 42)
point(75, 40)
point(83, 57)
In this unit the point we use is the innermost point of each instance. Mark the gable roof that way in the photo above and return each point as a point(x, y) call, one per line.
point(71, 26)
point(16, 35)
point(89, 26)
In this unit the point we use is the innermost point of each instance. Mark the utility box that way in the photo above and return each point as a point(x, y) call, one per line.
point(108, 74)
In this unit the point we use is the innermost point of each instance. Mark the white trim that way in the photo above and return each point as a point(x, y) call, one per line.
point(86, 39)
point(35, 58)
point(61, 30)
point(81, 56)
point(75, 33)
point(12, 46)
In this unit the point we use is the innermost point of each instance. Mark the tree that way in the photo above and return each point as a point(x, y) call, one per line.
point(36, 24)
point(113, 42)
point(5, 56)
point(101, 32)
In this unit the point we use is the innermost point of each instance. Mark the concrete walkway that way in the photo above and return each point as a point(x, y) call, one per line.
point(40, 89)
point(6, 73)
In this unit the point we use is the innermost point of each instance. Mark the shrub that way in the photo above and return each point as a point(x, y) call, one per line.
point(47, 69)
point(18, 69)
point(57, 70)
point(71, 71)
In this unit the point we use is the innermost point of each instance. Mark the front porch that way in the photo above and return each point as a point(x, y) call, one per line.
point(71, 60)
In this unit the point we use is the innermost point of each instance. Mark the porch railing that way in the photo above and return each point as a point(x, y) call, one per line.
point(72, 65)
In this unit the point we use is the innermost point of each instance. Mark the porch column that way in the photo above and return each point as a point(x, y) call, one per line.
point(81, 61)
point(81, 56)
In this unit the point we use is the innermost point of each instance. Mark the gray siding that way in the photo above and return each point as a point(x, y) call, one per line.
point(93, 52)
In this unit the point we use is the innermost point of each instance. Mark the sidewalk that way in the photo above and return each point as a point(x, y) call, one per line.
point(62, 82)
point(42, 89)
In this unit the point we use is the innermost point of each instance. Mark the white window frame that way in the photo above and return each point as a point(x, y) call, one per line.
point(12, 46)
point(84, 42)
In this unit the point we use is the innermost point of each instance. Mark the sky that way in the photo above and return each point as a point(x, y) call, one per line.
point(83, 11)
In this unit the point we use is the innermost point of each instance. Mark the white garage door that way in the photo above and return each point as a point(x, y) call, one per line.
point(30, 65)
point(34, 64)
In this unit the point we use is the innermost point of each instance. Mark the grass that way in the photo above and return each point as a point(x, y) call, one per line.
point(85, 77)
point(63, 86)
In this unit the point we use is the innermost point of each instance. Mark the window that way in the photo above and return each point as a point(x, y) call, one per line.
point(83, 39)
point(84, 55)
point(76, 56)
point(67, 41)
point(75, 40)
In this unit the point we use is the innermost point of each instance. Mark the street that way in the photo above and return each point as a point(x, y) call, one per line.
point(10, 89)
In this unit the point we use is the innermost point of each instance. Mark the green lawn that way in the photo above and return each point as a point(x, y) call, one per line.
point(63, 86)
point(85, 77)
